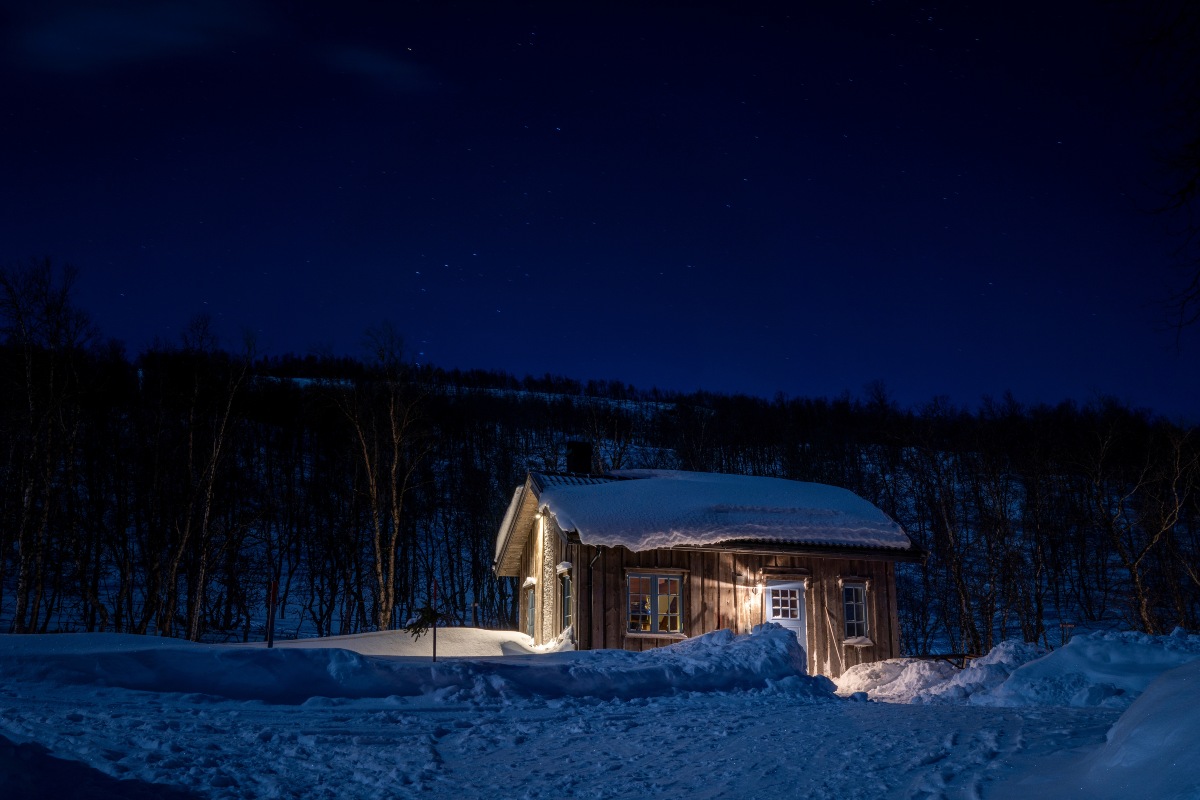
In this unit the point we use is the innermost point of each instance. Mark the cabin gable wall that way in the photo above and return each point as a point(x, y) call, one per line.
point(544, 550)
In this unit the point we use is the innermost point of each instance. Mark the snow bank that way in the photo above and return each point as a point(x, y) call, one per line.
point(909, 680)
point(896, 680)
point(981, 675)
point(769, 658)
point(1101, 669)
point(1097, 670)
point(451, 643)
point(1151, 751)
point(279, 675)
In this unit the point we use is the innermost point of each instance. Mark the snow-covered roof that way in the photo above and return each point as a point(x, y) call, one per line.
point(518, 519)
point(649, 509)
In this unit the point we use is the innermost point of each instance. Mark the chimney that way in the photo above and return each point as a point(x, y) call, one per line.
point(579, 457)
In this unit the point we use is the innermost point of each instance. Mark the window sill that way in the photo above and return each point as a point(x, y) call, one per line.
point(638, 635)
point(858, 641)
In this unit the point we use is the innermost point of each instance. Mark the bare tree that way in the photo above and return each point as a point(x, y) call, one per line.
point(47, 336)
point(383, 413)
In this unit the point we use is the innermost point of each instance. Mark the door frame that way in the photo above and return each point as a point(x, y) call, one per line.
point(800, 585)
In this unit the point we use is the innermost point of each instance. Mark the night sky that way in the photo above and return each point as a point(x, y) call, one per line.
point(741, 197)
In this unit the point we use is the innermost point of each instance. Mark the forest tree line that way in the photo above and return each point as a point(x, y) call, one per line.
point(163, 493)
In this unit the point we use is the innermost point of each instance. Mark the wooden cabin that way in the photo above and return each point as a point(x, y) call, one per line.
point(636, 559)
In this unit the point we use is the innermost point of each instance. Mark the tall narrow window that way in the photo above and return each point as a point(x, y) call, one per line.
point(854, 598)
point(530, 610)
point(655, 603)
point(564, 585)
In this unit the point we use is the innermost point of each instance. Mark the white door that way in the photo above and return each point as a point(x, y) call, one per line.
point(784, 603)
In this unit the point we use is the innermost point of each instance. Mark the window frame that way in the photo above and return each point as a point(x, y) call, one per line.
point(794, 593)
point(652, 610)
point(566, 616)
point(531, 611)
point(862, 630)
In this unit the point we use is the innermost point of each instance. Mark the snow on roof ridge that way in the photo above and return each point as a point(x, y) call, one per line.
point(643, 509)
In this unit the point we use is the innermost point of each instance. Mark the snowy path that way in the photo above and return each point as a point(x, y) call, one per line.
point(697, 746)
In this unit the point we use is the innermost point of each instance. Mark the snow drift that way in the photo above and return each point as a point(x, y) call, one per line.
point(1151, 751)
point(1102, 669)
point(769, 658)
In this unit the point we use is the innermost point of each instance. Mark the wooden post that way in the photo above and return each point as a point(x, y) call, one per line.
point(433, 606)
point(272, 592)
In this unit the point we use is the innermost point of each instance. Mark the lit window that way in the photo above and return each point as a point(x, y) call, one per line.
point(654, 603)
point(854, 598)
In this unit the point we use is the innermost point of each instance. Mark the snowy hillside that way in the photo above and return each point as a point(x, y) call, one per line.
point(716, 716)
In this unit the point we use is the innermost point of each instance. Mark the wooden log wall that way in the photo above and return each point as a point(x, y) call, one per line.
point(726, 590)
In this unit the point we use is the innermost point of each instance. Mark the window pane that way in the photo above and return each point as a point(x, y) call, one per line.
point(565, 601)
point(785, 603)
point(855, 604)
point(655, 603)
point(639, 603)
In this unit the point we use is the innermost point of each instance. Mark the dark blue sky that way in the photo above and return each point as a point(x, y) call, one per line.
point(798, 198)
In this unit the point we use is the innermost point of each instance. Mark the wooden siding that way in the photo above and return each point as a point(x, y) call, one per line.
point(724, 589)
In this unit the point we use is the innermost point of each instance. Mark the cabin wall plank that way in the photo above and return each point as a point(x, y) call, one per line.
point(880, 631)
point(711, 596)
point(893, 611)
point(834, 618)
point(725, 602)
point(695, 594)
point(614, 593)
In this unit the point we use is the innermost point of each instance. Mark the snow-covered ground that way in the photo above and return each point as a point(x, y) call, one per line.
point(1110, 715)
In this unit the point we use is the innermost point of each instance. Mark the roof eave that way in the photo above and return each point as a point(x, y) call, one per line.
point(752, 547)
point(508, 561)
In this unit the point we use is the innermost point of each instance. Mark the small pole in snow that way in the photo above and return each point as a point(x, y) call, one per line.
point(272, 591)
point(433, 606)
